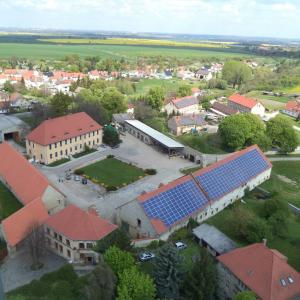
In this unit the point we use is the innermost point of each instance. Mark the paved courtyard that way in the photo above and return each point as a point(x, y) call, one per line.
point(131, 150)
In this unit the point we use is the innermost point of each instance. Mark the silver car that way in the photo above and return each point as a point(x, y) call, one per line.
point(180, 245)
point(147, 255)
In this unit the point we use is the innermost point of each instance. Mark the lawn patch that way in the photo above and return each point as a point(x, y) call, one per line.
point(59, 162)
point(187, 171)
point(112, 172)
point(8, 202)
point(86, 152)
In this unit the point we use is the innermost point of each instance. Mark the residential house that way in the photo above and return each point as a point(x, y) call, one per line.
point(245, 104)
point(73, 233)
point(186, 124)
point(292, 109)
point(203, 74)
point(130, 108)
point(214, 240)
point(223, 110)
point(183, 106)
point(200, 195)
point(32, 189)
point(61, 137)
point(264, 271)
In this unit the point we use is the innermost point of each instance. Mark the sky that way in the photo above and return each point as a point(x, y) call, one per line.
point(256, 18)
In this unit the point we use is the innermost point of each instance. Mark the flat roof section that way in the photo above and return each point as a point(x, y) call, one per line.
point(156, 135)
point(215, 238)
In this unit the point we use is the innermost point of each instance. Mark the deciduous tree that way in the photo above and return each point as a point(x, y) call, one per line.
point(236, 73)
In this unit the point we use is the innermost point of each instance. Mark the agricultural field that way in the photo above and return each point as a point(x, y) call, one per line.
point(57, 51)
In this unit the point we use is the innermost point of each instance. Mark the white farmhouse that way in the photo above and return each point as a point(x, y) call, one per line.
point(183, 106)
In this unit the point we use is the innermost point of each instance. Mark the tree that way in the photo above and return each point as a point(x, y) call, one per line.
point(168, 272)
point(257, 230)
point(273, 206)
point(118, 259)
point(101, 283)
point(118, 238)
point(282, 134)
point(143, 111)
point(8, 87)
point(36, 245)
point(247, 295)
point(135, 285)
point(156, 97)
point(113, 101)
point(241, 130)
point(184, 90)
point(236, 73)
point(111, 136)
point(278, 222)
point(201, 281)
point(60, 104)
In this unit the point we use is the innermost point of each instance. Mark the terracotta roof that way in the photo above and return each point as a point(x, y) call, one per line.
point(224, 109)
point(21, 177)
point(79, 225)
point(293, 105)
point(17, 225)
point(243, 100)
point(263, 270)
point(62, 128)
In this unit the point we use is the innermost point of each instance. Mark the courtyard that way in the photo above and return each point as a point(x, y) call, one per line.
point(112, 173)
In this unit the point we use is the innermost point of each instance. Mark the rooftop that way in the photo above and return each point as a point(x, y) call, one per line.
point(224, 109)
point(185, 101)
point(185, 196)
point(156, 135)
point(265, 271)
point(215, 238)
point(243, 100)
point(62, 128)
point(189, 120)
point(79, 225)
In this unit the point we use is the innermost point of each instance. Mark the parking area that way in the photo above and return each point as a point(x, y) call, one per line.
point(132, 151)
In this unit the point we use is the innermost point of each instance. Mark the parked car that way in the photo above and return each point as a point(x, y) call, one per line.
point(68, 177)
point(115, 146)
point(180, 245)
point(84, 181)
point(76, 178)
point(147, 255)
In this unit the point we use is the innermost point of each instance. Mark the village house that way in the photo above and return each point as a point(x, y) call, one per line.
point(32, 189)
point(183, 106)
point(223, 110)
point(200, 195)
point(186, 124)
point(264, 271)
point(72, 233)
point(203, 74)
point(292, 109)
point(246, 105)
point(61, 137)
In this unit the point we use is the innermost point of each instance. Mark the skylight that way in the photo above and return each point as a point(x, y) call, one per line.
point(283, 282)
point(290, 279)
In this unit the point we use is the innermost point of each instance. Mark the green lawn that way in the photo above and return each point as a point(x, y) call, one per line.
point(59, 162)
point(288, 246)
point(113, 172)
point(260, 95)
point(205, 143)
point(46, 51)
point(190, 170)
point(8, 202)
point(86, 152)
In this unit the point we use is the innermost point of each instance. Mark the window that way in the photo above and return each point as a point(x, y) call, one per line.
point(66, 152)
point(71, 150)
point(67, 242)
point(66, 142)
point(55, 145)
point(61, 248)
point(48, 230)
point(55, 154)
point(60, 143)
point(290, 279)
point(89, 245)
point(97, 141)
point(81, 245)
point(61, 152)
point(50, 156)
point(93, 133)
point(139, 222)
point(76, 139)
point(60, 238)
point(93, 142)
point(55, 235)
point(50, 146)
point(75, 148)
point(69, 253)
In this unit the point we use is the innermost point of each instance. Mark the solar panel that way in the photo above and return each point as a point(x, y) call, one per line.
point(175, 204)
point(229, 176)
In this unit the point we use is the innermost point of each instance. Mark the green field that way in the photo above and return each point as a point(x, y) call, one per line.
point(8, 202)
point(52, 52)
point(113, 172)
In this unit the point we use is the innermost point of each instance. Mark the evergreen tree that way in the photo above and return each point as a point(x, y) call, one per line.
point(111, 136)
point(168, 273)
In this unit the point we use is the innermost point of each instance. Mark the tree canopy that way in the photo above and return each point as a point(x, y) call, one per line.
point(236, 73)
point(247, 295)
point(110, 135)
point(184, 90)
point(155, 97)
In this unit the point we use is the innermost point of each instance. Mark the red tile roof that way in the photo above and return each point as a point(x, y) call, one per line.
point(17, 225)
point(21, 177)
point(243, 100)
point(79, 225)
point(293, 105)
point(261, 269)
point(62, 128)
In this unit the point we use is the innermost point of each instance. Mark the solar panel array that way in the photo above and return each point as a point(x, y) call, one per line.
point(176, 203)
point(227, 177)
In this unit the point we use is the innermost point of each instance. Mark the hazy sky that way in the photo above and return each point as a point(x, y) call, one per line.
point(274, 18)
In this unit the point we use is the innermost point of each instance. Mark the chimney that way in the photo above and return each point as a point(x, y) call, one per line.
point(264, 242)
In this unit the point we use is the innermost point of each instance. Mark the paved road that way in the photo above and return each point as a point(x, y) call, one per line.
point(131, 150)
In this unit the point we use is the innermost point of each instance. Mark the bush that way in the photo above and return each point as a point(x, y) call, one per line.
point(257, 230)
point(110, 156)
point(274, 205)
point(79, 172)
point(111, 188)
point(155, 244)
point(180, 234)
point(150, 171)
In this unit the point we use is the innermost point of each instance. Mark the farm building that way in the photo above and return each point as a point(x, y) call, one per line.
point(223, 110)
point(200, 195)
point(185, 124)
point(292, 109)
point(12, 128)
point(153, 137)
point(183, 106)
